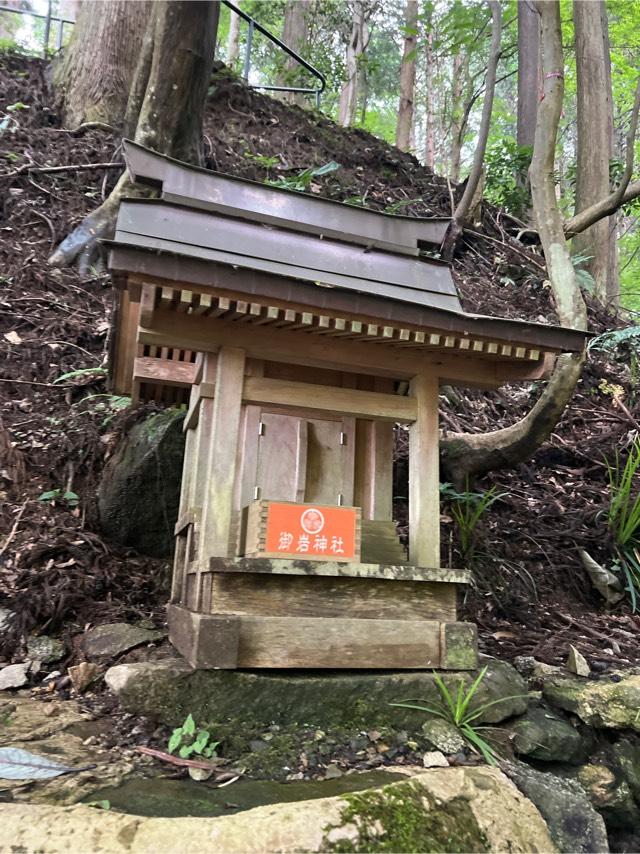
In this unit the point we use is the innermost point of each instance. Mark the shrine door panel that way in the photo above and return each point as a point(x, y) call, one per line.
point(330, 465)
point(282, 455)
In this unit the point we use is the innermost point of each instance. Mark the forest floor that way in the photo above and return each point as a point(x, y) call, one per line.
point(57, 572)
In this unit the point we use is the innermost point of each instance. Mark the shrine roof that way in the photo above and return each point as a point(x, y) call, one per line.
point(271, 242)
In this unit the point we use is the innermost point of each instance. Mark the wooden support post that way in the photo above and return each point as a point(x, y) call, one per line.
point(424, 479)
point(222, 441)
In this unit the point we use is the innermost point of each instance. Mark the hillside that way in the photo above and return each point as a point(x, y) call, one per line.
point(58, 573)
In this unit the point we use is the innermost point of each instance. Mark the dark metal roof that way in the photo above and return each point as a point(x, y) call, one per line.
point(226, 194)
point(156, 225)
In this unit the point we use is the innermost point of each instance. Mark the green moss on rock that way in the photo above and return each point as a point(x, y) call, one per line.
point(402, 818)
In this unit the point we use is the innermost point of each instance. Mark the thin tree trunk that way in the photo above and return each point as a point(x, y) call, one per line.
point(475, 175)
point(233, 43)
point(407, 77)
point(174, 77)
point(429, 127)
point(464, 455)
point(594, 138)
point(93, 77)
point(528, 71)
point(294, 35)
point(456, 118)
point(356, 47)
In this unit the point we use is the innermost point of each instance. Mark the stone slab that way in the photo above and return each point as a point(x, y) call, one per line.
point(115, 638)
point(170, 689)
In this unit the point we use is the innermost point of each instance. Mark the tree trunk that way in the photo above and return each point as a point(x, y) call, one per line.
point(459, 72)
point(294, 35)
point(407, 77)
point(356, 47)
point(528, 71)
point(464, 455)
point(93, 77)
point(168, 95)
point(429, 125)
point(233, 44)
point(594, 137)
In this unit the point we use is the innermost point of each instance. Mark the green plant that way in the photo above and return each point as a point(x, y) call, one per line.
point(623, 518)
point(262, 159)
point(303, 180)
point(506, 175)
point(467, 508)
point(81, 373)
point(456, 708)
point(187, 741)
point(58, 495)
point(583, 277)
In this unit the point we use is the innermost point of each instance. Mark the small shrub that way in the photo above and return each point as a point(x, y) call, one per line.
point(623, 518)
point(187, 742)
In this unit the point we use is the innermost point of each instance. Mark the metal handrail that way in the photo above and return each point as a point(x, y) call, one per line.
point(254, 25)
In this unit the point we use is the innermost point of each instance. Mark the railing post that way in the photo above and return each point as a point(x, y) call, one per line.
point(60, 33)
point(247, 52)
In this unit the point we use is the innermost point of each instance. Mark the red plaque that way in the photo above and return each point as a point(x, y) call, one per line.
point(312, 532)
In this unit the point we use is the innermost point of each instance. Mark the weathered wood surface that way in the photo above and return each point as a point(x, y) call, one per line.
point(338, 643)
point(205, 641)
point(380, 543)
point(400, 572)
point(247, 594)
point(424, 480)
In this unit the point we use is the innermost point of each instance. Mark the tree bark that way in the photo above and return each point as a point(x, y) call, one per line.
point(294, 35)
point(356, 47)
point(594, 137)
point(93, 77)
point(429, 122)
point(459, 73)
point(528, 72)
point(169, 92)
point(407, 77)
point(233, 43)
point(464, 455)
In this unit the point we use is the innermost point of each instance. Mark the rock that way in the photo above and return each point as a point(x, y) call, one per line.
point(332, 772)
point(168, 690)
point(605, 703)
point(140, 488)
point(610, 795)
point(82, 675)
point(444, 809)
point(115, 638)
point(540, 734)
point(577, 663)
point(14, 675)
point(434, 759)
point(200, 775)
point(573, 823)
point(46, 649)
point(443, 735)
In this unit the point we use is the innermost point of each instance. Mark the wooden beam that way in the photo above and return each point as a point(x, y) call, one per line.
point(424, 480)
point(344, 401)
point(222, 440)
point(164, 371)
point(191, 332)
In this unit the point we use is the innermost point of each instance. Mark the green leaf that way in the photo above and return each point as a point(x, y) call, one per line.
point(175, 740)
point(185, 751)
point(189, 726)
point(80, 373)
point(51, 495)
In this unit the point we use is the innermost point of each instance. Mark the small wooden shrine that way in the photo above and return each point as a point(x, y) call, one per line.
point(297, 331)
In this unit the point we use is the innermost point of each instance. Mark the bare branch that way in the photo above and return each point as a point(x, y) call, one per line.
point(625, 192)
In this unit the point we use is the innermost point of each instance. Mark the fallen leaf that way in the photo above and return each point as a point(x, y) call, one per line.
point(82, 675)
point(17, 764)
point(13, 337)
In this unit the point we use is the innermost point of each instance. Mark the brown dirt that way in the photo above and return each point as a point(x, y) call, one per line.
point(58, 573)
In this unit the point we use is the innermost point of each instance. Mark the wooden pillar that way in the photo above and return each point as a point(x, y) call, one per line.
point(222, 444)
point(424, 478)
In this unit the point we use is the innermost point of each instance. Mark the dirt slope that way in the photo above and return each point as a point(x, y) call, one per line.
point(58, 573)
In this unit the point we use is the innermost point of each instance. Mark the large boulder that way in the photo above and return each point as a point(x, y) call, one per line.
point(612, 703)
point(169, 690)
point(139, 492)
point(443, 809)
point(573, 823)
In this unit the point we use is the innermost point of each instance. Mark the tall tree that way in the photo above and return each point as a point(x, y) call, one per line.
point(408, 76)
point(165, 108)
point(528, 72)
point(294, 35)
point(93, 77)
point(233, 42)
point(429, 107)
point(594, 152)
point(361, 11)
